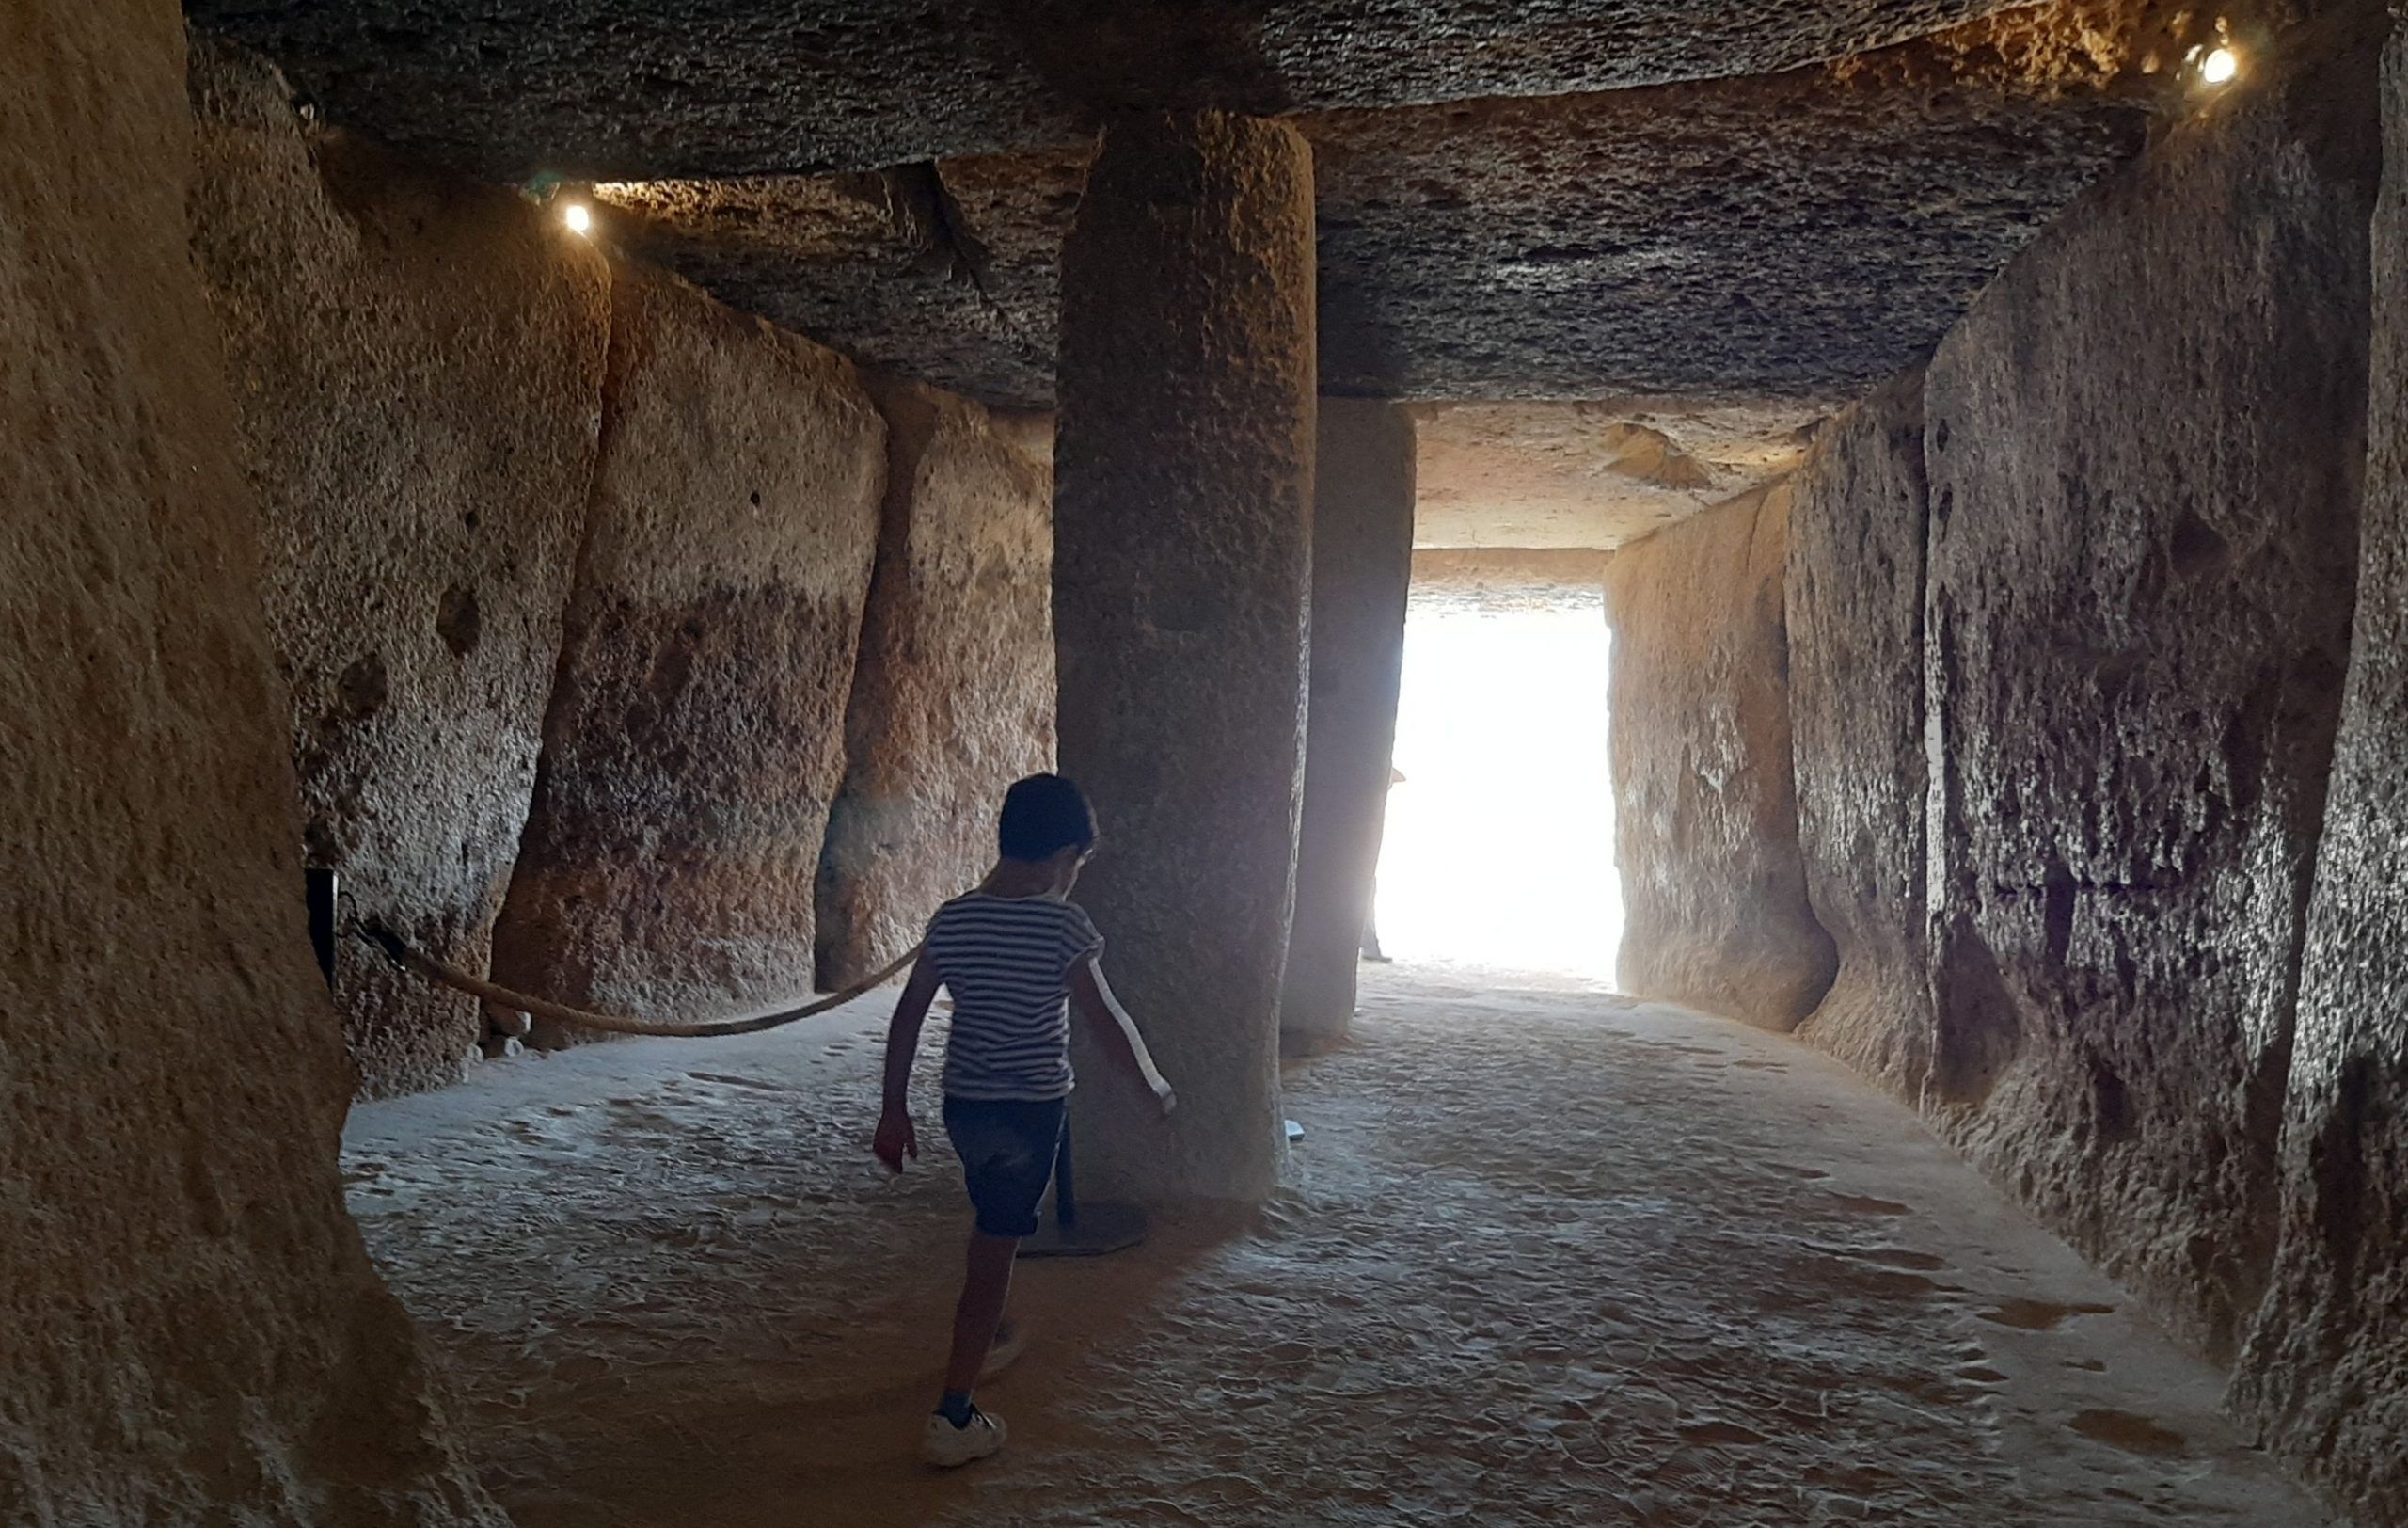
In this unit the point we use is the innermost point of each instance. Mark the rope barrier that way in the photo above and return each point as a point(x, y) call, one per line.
point(398, 950)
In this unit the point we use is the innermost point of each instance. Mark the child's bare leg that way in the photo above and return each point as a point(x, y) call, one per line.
point(984, 1291)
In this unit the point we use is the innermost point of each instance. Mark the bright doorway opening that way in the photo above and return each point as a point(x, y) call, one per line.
point(1498, 851)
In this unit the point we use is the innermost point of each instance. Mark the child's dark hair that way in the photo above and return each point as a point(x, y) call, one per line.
point(1042, 816)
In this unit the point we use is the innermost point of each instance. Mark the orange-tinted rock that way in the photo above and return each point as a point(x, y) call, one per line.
point(1183, 471)
point(2143, 445)
point(1705, 816)
point(189, 1330)
point(2324, 1375)
point(953, 693)
point(696, 732)
point(1593, 474)
point(417, 369)
point(1362, 503)
point(1856, 708)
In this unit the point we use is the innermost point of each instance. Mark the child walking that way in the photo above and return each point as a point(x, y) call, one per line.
point(1018, 955)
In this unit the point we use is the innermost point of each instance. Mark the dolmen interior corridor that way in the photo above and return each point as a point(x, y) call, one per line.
point(1203, 762)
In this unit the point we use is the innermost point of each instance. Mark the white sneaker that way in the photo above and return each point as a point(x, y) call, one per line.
point(947, 1446)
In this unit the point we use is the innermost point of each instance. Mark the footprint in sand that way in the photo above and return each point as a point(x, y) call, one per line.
point(2037, 1315)
point(1866, 1204)
point(728, 1080)
point(2132, 1434)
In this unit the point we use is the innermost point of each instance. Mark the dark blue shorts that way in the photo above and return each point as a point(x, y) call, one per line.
point(1007, 1151)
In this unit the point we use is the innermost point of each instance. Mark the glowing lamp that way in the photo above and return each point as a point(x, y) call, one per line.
point(579, 217)
point(2219, 66)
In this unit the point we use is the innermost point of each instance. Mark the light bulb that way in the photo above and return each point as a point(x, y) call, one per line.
point(2219, 66)
point(579, 217)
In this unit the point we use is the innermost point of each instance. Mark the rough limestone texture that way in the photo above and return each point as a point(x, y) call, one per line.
point(696, 731)
point(2324, 1375)
point(645, 89)
point(418, 370)
point(2145, 445)
point(1704, 812)
point(1855, 612)
point(1362, 503)
point(1593, 474)
point(189, 1330)
point(1183, 474)
point(1502, 579)
point(953, 694)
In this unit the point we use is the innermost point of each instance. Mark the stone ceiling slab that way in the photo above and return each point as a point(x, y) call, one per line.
point(1787, 236)
point(1794, 236)
point(710, 89)
point(1593, 474)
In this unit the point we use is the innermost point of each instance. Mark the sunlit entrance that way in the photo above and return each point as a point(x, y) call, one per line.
point(1498, 851)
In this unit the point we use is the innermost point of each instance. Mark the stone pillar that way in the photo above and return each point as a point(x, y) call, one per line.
point(1362, 564)
point(1182, 515)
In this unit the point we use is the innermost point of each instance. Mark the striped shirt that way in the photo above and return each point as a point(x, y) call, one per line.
point(1008, 961)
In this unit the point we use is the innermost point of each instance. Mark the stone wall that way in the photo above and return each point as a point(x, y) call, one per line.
point(2145, 444)
point(2325, 1374)
point(2163, 905)
point(189, 1328)
point(952, 695)
point(1705, 810)
point(695, 735)
point(418, 371)
point(1363, 507)
point(1855, 613)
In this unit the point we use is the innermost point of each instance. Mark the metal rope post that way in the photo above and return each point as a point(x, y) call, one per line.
point(1088, 1230)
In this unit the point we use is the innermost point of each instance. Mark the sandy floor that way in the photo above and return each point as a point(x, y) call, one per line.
point(1549, 1257)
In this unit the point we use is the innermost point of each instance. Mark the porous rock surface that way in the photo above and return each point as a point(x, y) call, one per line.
point(1501, 578)
point(654, 89)
point(1183, 471)
point(1777, 236)
point(696, 729)
point(418, 372)
point(2324, 1375)
point(1705, 814)
point(952, 691)
point(943, 272)
point(1362, 551)
point(1761, 242)
point(2140, 601)
point(189, 1330)
point(1855, 598)
point(1593, 473)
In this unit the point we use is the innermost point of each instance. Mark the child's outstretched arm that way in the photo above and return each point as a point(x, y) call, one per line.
point(895, 1139)
point(1092, 995)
